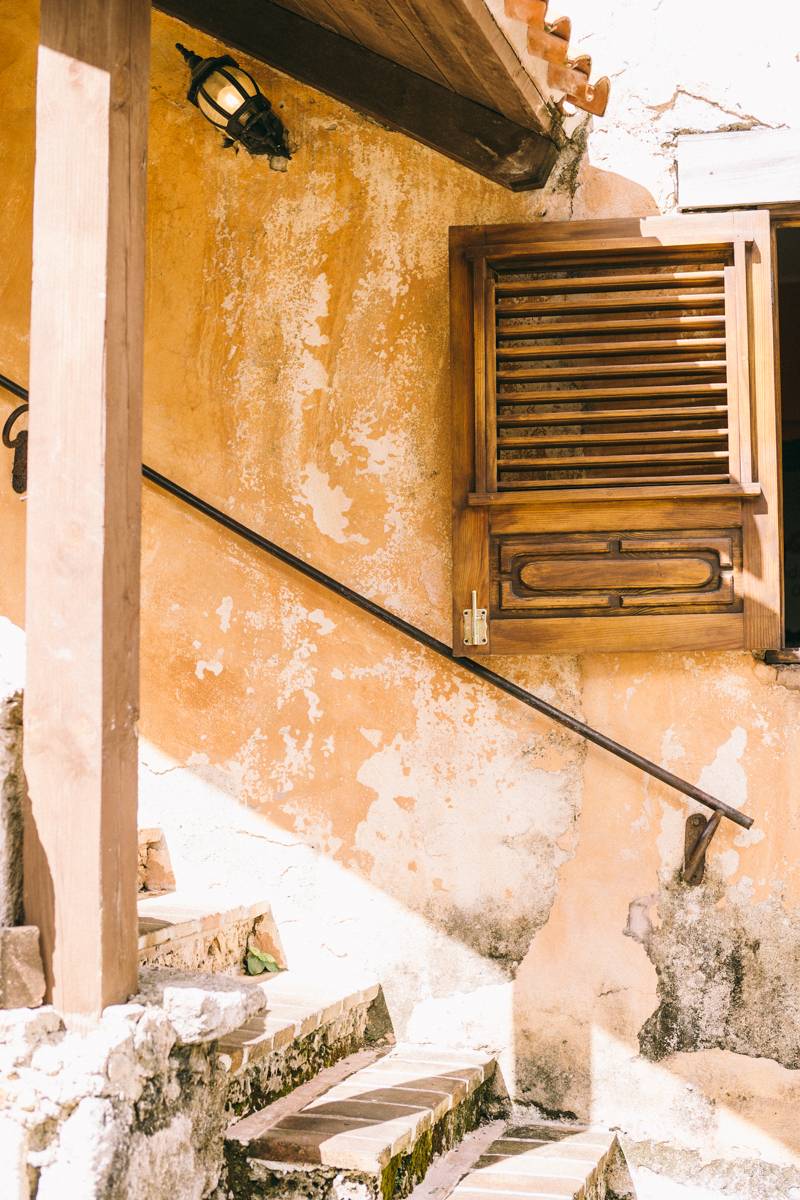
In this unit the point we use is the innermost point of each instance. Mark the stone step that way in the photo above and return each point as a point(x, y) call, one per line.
point(544, 1162)
point(306, 1026)
point(203, 930)
point(372, 1134)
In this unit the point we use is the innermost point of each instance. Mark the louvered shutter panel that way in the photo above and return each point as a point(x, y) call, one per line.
point(615, 436)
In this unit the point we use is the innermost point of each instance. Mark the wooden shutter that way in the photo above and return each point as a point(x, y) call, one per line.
point(615, 436)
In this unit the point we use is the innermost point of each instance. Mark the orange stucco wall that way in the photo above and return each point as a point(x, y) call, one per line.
point(510, 887)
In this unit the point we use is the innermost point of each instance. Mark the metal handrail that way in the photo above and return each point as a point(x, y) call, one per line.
point(16, 388)
point(418, 635)
point(432, 643)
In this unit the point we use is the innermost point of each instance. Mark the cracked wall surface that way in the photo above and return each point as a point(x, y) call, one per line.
point(685, 66)
point(512, 889)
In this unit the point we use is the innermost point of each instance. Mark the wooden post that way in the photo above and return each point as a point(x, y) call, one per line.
point(84, 487)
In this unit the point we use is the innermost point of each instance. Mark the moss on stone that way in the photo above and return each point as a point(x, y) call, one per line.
point(249, 1179)
point(258, 1084)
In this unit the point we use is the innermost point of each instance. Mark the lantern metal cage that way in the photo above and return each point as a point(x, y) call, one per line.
point(231, 100)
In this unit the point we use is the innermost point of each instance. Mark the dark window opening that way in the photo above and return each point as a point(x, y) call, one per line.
point(789, 339)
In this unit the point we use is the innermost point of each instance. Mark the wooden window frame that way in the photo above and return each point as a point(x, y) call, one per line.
point(482, 515)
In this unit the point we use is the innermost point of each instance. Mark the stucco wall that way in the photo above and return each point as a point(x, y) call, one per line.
point(510, 888)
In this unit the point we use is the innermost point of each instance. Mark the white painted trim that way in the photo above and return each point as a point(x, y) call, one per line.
point(726, 170)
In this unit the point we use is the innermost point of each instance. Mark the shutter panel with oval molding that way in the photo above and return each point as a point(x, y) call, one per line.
point(615, 436)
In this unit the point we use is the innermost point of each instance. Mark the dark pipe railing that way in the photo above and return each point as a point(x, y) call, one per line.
point(425, 639)
point(432, 643)
point(16, 388)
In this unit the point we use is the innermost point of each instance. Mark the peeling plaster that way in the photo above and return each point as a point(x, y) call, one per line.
point(224, 613)
point(213, 665)
point(328, 505)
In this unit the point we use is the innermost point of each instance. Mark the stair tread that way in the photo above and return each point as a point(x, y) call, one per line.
point(296, 1005)
point(248, 1128)
point(362, 1121)
point(543, 1163)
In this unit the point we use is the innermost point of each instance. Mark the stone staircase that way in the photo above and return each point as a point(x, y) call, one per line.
point(371, 1126)
point(371, 1134)
point(320, 1102)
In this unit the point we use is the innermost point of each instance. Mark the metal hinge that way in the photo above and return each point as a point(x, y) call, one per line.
point(475, 630)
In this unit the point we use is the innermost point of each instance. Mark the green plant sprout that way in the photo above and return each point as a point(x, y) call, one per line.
point(257, 961)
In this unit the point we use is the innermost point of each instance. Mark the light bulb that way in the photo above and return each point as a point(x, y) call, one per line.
point(229, 98)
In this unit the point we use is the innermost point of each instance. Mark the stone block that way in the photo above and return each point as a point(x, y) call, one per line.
point(265, 937)
point(21, 974)
point(201, 1007)
point(155, 869)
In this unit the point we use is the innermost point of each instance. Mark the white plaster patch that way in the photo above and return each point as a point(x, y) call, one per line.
point(320, 295)
point(439, 816)
point(372, 735)
point(384, 454)
point(479, 1020)
point(312, 375)
point(337, 674)
point(742, 892)
point(12, 657)
point(319, 618)
point(749, 837)
point(725, 778)
point(328, 505)
point(727, 863)
point(213, 665)
point(224, 613)
point(670, 839)
point(671, 749)
point(195, 759)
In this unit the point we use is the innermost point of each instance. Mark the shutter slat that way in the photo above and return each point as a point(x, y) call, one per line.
point(613, 439)
point(610, 416)
point(615, 371)
point(507, 332)
point(612, 349)
point(599, 462)
point(621, 283)
point(519, 485)
point(573, 395)
point(621, 304)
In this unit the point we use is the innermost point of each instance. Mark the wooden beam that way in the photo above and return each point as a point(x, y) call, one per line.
point(456, 43)
point(82, 614)
point(477, 137)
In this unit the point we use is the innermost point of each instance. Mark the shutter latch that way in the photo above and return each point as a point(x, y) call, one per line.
point(475, 632)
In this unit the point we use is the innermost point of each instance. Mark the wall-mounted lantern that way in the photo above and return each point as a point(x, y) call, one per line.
point(230, 99)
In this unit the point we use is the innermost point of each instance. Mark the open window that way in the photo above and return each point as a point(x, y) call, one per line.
point(616, 472)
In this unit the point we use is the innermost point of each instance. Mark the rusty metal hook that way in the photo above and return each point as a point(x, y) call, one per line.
point(19, 444)
point(699, 833)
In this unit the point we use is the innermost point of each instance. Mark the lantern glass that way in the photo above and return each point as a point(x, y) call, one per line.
point(226, 89)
